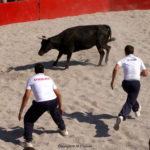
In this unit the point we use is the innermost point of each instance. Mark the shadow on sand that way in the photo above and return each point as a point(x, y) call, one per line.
point(13, 134)
point(49, 65)
point(101, 128)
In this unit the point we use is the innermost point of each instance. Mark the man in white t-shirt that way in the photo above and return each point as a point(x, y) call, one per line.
point(133, 69)
point(47, 98)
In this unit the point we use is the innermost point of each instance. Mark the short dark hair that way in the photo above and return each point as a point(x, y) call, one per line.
point(129, 49)
point(39, 68)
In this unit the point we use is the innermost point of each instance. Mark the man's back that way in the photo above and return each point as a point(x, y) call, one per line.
point(42, 86)
point(132, 66)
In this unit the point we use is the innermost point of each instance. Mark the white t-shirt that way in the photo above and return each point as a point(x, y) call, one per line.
point(132, 66)
point(42, 86)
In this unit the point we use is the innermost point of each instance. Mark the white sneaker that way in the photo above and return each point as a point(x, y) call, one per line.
point(138, 113)
point(28, 144)
point(64, 132)
point(118, 121)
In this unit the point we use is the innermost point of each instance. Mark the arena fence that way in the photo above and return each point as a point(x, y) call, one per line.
point(20, 11)
point(61, 8)
point(118, 5)
point(13, 11)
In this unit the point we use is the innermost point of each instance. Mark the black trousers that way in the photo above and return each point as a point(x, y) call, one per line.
point(132, 88)
point(36, 110)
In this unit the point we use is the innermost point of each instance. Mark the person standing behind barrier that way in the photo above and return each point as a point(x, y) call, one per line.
point(47, 98)
point(133, 69)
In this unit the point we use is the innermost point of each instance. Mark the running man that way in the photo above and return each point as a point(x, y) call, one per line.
point(47, 98)
point(133, 69)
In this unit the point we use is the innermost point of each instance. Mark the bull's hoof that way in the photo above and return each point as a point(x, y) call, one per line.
point(100, 65)
point(29, 148)
point(66, 67)
point(106, 61)
point(55, 64)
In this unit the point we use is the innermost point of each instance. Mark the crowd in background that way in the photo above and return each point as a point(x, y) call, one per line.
point(6, 1)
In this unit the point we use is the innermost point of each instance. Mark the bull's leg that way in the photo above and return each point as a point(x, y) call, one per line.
point(68, 60)
point(59, 55)
point(107, 53)
point(102, 53)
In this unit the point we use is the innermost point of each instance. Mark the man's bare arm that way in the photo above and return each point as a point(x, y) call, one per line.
point(59, 100)
point(114, 75)
point(24, 102)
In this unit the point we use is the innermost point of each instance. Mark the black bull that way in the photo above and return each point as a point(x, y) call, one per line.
point(79, 38)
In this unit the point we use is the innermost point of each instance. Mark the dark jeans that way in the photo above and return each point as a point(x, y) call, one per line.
point(132, 88)
point(36, 110)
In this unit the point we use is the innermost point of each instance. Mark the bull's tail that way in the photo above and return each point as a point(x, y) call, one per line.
point(109, 32)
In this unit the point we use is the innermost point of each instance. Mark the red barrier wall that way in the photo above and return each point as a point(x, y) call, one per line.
point(29, 10)
point(61, 8)
point(120, 5)
point(21, 11)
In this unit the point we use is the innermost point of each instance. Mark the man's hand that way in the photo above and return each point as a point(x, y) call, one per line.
point(24, 102)
point(61, 110)
point(59, 101)
point(19, 116)
point(144, 73)
point(112, 85)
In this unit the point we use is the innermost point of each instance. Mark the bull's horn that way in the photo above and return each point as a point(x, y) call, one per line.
point(43, 37)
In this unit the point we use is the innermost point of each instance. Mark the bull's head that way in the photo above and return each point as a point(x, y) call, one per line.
point(45, 46)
